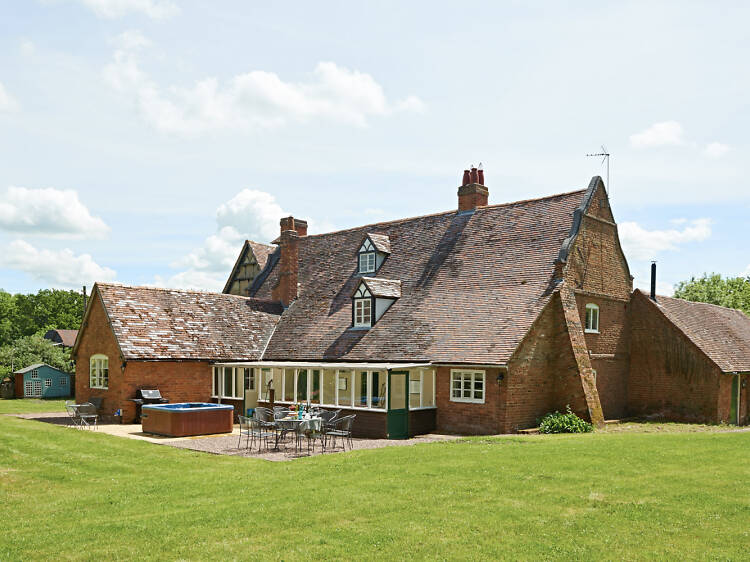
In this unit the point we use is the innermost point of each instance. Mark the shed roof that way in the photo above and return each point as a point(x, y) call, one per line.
point(723, 334)
point(37, 366)
point(162, 324)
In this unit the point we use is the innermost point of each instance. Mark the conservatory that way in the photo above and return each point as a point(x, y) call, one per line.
point(394, 400)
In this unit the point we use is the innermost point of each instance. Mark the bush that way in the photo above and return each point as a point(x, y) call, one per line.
point(564, 423)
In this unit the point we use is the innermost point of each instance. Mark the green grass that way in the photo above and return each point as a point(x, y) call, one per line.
point(81, 494)
point(31, 406)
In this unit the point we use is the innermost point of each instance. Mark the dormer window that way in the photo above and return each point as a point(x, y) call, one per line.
point(372, 252)
point(362, 307)
point(367, 257)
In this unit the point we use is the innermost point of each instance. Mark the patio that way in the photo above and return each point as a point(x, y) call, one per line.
point(226, 443)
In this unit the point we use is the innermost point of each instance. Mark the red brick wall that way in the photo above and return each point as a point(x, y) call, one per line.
point(609, 352)
point(178, 381)
point(669, 376)
point(469, 418)
point(543, 375)
point(97, 337)
point(188, 381)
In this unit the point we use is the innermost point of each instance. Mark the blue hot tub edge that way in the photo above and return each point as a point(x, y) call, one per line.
point(184, 406)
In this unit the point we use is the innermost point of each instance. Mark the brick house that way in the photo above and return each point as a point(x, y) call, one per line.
point(476, 320)
point(251, 261)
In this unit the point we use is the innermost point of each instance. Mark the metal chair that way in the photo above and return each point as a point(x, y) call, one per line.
point(280, 412)
point(342, 427)
point(71, 408)
point(312, 430)
point(88, 415)
point(328, 416)
point(252, 430)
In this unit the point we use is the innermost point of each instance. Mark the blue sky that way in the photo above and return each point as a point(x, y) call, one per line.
point(142, 140)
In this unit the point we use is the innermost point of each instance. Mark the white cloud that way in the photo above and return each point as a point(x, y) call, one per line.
point(659, 134)
point(58, 268)
point(716, 149)
point(110, 9)
point(49, 212)
point(256, 99)
point(7, 102)
point(746, 273)
point(131, 40)
point(250, 214)
point(641, 244)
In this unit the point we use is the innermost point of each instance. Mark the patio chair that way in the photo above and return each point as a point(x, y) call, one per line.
point(342, 427)
point(312, 430)
point(97, 402)
point(280, 412)
point(88, 415)
point(75, 419)
point(328, 416)
point(266, 419)
point(252, 430)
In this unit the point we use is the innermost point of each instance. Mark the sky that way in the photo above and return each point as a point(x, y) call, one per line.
point(142, 141)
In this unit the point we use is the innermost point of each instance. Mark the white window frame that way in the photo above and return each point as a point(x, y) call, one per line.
point(362, 320)
point(471, 375)
point(35, 374)
point(368, 260)
point(99, 371)
point(592, 313)
point(47, 383)
point(63, 381)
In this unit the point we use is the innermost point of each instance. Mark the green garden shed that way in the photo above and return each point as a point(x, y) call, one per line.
point(42, 381)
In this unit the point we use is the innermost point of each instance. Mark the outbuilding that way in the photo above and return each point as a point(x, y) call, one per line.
point(42, 381)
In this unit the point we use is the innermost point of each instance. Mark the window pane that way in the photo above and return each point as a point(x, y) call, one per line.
point(414, 390)
point(239, 380)
point(360, 385)
point(288, 385)
point(216, 381)
point(366, 318)
point(345, 388)
point(265, 377)
point(315, 387)
point(302, 385)
point(378, 390)
point(371, 262)
point(398, 391)
point(329, 387)
point(427, 389)
point(227, 389)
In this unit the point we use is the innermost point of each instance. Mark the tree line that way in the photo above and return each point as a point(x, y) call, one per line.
point(24, 319)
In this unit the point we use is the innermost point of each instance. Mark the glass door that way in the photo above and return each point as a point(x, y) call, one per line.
point(398, 407)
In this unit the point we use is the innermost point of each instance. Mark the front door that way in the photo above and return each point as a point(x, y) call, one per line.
point(734, 413)
point(398, 407)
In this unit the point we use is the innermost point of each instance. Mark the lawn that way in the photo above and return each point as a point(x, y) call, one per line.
point(31, 406)
point(80, 494)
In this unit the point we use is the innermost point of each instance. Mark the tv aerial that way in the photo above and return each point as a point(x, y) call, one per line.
point(605, 158)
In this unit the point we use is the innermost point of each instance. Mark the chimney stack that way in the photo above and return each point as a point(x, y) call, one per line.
point(472, 193)
point(653, 281)
point(291, 231)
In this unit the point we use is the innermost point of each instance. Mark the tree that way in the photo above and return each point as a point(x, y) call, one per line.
point(33, 349)
point(23, 315)
point(732, 292)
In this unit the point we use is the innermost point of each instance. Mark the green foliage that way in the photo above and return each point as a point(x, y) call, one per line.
point(733, 292)
point(556, 422)
point(23, 315)
point(33, 349)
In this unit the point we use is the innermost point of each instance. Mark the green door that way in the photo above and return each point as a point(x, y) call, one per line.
point(734, 414)
point(398, 407)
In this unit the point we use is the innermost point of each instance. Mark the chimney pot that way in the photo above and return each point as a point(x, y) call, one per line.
point(480, 175)
point(467, 178)
point(472, 193)
point(474, 178)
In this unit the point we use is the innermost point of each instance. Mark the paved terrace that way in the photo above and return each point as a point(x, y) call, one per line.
point(226, 443)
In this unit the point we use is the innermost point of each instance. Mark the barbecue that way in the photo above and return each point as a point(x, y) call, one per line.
point(146, 396)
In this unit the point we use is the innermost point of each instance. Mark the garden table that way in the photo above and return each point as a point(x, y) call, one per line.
point(284, 425)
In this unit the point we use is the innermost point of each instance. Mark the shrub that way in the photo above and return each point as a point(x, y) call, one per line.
point(556, 422)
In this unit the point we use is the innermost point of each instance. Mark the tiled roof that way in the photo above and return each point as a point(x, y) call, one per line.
point(723, 334)
point(471, 286)
point(152, 323)
point(386, 288)
point(381, 242)
point(65, 337)
point(261, 251)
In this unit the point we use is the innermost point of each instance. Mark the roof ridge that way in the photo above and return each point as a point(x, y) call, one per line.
point(692, 302)
point(441, 213)
point(192, 291)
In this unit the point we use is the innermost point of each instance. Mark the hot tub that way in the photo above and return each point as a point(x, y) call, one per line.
point(188, 418)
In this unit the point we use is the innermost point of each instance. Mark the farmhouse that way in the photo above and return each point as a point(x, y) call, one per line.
point(476, 320)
